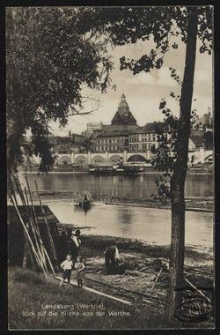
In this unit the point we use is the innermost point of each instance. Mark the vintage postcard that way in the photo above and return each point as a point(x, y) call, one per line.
point(110, 125)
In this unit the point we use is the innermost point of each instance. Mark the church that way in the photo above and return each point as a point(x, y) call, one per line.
point(123, 116)
point(115, 137)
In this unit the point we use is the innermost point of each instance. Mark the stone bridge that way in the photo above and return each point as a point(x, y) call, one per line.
point(102, 157)
point(89, 157)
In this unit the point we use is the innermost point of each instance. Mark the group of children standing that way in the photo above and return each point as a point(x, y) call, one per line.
point(113, 263)
point(73, 261)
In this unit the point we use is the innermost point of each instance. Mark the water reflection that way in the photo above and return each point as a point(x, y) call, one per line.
point(137, 186)
point(126, 216)
point(147, 224)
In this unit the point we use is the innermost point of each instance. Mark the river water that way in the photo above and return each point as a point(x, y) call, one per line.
point(147, 224)
point(136, 186)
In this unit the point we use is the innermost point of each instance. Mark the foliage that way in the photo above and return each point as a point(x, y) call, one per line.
point(48, 60)
point(165, 153)
point(208, 140)
point(162, 25)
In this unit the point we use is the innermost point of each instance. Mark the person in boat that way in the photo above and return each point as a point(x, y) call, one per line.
point(85, 203)
point(74, 243)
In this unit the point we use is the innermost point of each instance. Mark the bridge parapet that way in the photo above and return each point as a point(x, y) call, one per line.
point(103, 157)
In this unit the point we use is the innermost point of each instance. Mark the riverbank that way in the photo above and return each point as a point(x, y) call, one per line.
point(69, 169)
point(36, 302)
point(33, 300)
point(142, 262)
point(95, 245)
point(192, 204)
point(143, 284)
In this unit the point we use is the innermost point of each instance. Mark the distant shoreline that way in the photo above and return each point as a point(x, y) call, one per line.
point(86, 172)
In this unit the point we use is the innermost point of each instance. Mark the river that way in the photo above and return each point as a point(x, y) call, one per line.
point(136, 186)
point(146, 224)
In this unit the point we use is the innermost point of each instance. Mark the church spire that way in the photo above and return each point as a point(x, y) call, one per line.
point(123, 115)
point(123, 107)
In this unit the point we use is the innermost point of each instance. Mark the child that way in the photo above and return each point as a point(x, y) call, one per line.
point(67, 266)
point(79, 266)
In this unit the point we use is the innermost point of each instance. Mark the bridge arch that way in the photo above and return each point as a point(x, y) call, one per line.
point(137, 158)
point(115, 159)
point(194, 159)
point(98, 160)
point(208, 159)
point(81, 160)
point(64, 160)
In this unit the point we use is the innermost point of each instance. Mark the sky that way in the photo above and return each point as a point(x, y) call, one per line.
point(144, 91)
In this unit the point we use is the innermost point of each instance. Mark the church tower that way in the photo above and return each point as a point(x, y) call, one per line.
point(123, 116)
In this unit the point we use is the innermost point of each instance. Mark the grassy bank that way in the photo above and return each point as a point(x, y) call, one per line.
point(30, 294)
point(38, 303)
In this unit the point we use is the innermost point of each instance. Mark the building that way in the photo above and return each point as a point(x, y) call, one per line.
point(205, 121)
point(125, 134)
point(145, 138)
point(115, 137)
point(63, 147)
point(123, 140)
point(92, 129)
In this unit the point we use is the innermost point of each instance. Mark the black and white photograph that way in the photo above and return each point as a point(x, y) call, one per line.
point(110, 167)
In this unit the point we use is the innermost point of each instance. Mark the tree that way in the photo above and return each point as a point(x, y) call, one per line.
point(208, 140)
point(161, 24)
point(48, 61)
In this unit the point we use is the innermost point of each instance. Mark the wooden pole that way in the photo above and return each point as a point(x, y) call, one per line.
point(47, 227)
point(126, 302)
point(41, 262)
point(27, 250)
point(44, 251)
point(31, 199)
point(34, 231)
point(28, 237)
point(35, 228)
point(158, 276)
point(195, 288)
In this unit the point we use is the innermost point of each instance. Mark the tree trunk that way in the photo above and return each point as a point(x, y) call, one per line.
point(176, 267)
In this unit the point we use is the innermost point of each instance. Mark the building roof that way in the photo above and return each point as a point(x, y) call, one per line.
point(64, 146)
point(123, 116)
point(197, 140)
point(117, 130)
point(152, 126)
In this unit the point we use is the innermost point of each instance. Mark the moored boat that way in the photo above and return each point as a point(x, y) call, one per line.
point(102, 170)
point(115, 169)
